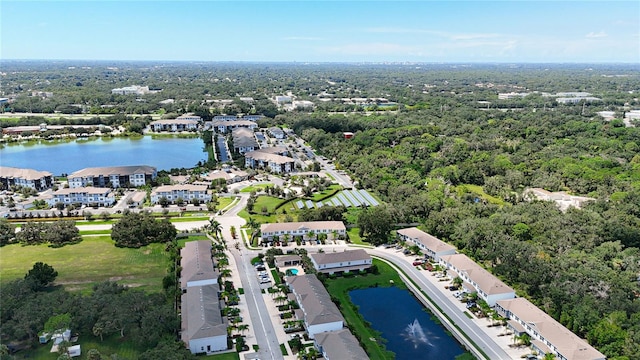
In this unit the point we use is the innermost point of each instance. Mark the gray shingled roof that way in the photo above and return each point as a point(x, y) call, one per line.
point(114, 170)
point(339, 257)
point(196, 262)
point(314, 299)
point(340, 344)
point(201, 317)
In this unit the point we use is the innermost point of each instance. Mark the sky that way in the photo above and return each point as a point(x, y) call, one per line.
point(323, 31)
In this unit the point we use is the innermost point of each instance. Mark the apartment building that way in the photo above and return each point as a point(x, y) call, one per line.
point(302, 229)
point(38, 180)
point(115, 176)
point(186, 192)
point(342, 261)
point(90, 196)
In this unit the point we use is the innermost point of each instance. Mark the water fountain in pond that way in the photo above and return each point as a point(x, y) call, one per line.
point(414, 333)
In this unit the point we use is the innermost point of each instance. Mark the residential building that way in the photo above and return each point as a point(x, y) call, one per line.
point(429, 244)
point(198, 268)
point(561, 198)
point(38, 180)
point(137, 199)
point(244, 140)
point(342, 261)
point(91, 196)
point(283, 99)
point(477, 279)
point(223, 126)
point(174, 125)
point(287, 260)
point(339, 345)
point(186, 192)
point(230, 176)
point(189, 117)
point(292, 229)
point(320, 314)
point(248, 100)
point(276, 164)
point(204, 329)
point(116, 176)
point(277, 133)
point(225, 118)
point(547, 335)
point(632, 115)
point(252, 117)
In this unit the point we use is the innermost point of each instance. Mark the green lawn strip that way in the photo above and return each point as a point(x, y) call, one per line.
point(188, 219)
point(182, 241)
point(339, 288)
point(226, 356)
point(283, 349)
point(257, 187)
point(95, 232)
point(269, 202)
point(444, 314)
point(111, 345)
point(225, 201)
point(276, 276)
point(93, 260)
point(354, 236)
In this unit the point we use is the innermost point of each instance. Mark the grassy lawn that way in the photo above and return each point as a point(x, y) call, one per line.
point(270, 203)
point(95, 232)
point(111, 345)
point(257, 187)
point(354, 236)
point(227, 356)
point(93, 260)
point(339, 288)
point(188, 219)
point(223, 202)
point(477, 189)
point(331, 190)
point(182, 241)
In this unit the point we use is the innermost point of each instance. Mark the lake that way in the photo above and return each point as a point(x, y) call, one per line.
point(405, 324)
point(66, 157)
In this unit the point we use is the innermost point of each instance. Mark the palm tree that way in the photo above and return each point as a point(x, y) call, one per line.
point(311, 234)
point(225, 273)
point(549, 356)
point(242, 328)
point(216, 228)
point(280, 299)
point(285, 239)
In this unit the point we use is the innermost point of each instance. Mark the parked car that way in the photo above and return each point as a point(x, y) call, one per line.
point(417, 263)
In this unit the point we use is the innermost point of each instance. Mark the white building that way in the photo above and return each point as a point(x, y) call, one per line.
point(511, 95)
point(277, 133)
point(244, 140)
point(174, 125)
point(477, 279)
point(575, 100)
point(320, 314)
point(91, 196)
point(292, 229)
point(343, 261)
point(547, 335)
point(186, 192)
point(38, 180)
point(429, 244)
point(203, 330)
point(116, 176)
point(223, 126)
point(198, 267)
point(561, 198)
point(276, 164)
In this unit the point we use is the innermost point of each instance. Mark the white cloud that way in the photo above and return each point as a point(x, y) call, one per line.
point(594, 35)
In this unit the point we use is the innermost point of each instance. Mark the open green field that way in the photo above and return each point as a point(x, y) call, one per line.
point(354, 236)
point(225, 201)
point(257, 187)
point(93, 260)
point(339, 288)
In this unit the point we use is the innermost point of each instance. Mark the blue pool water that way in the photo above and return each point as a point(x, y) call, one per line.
point(294, 272)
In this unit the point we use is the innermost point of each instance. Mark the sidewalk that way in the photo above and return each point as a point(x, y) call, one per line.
point(497, 333)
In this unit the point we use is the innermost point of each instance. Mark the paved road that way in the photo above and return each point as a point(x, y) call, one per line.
point(468, 326)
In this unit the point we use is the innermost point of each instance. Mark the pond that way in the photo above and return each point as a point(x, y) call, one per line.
point(404, 323)
point(66, 157)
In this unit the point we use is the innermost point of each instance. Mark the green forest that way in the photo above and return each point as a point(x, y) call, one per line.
point(451, 156)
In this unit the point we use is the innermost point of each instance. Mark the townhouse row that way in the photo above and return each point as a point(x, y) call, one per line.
point(547, 335)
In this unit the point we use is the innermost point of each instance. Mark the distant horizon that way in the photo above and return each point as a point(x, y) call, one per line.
point(323, 62)
point(323, 31)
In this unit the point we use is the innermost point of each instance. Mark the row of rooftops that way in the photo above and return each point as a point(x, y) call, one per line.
point(25, 174)
point(534, 320)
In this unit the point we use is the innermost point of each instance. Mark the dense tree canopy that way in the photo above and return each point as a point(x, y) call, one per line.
point(140, 229)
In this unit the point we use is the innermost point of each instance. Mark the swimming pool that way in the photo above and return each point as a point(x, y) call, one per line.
point(294, 272)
